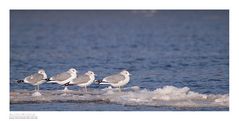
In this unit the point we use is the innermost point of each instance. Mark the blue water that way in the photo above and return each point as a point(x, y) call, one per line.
point(159, 48)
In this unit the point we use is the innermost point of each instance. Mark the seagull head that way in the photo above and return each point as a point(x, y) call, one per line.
point(72, 71)
point(41, 71)
point(125, 72)
point(90, 73)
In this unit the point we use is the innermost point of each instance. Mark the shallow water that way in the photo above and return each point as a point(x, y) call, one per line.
point(176, 48)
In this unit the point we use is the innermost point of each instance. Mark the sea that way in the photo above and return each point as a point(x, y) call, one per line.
point(179, 59)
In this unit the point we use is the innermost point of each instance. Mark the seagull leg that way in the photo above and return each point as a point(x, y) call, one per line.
point(36, 93)
point(119, 89)
point(38, 87)
point(85, 89)
point(65, 89)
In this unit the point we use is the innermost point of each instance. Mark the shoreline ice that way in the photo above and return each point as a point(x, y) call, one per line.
point(166, 96)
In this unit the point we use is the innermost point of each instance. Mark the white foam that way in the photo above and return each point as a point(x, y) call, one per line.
point(166, 96)
point(36, 94)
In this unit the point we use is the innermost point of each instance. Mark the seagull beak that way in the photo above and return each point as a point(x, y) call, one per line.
point(130, 74)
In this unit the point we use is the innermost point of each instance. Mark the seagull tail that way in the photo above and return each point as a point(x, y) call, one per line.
point(98, 81)
point(20, 81)
point(48, 79)
point(101, 82)
point(68, 84)
point(104, 83)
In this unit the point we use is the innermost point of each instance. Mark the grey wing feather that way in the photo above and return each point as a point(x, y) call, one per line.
point(61, 77)
point(81, 79)
point(35, 78)
point(115, 78)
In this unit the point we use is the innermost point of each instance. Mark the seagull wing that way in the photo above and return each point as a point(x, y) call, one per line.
point(61, 77)
point(81, 79)
point(114, 78)
point(34, 78)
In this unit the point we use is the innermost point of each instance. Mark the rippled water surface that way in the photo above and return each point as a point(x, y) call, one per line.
point(159, 48)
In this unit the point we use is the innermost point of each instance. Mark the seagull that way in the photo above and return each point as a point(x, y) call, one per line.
point(35, 79)
point(64, 77)
point(117, 80)
point(83, 80)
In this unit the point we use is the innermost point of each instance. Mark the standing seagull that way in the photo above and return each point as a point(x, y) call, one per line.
point(117, 80)
point(83, 80)
point(35, 79)
point(64, 77)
